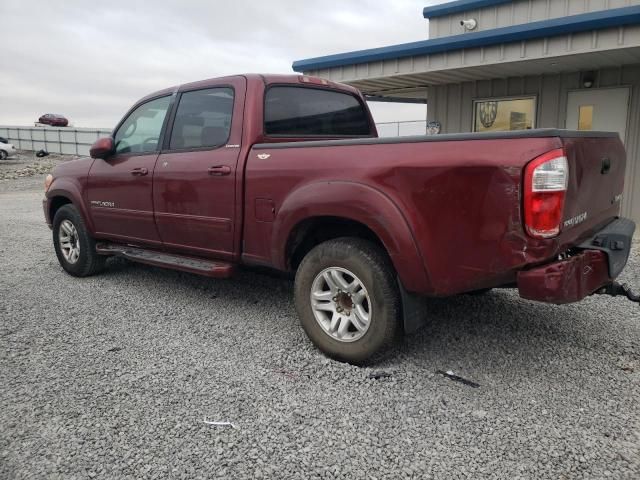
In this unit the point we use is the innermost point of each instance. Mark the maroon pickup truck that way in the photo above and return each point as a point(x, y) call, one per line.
point(287, 172)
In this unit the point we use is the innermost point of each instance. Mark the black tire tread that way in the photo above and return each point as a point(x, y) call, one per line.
point(382, 269)
point(90, 262)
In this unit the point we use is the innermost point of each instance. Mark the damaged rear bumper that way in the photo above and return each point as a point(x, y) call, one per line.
point(594, 265)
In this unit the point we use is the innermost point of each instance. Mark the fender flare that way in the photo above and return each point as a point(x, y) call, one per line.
point(361, 203)
point(72, 190)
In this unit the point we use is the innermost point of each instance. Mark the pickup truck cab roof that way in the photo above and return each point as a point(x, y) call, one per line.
point(255, 87)
point(257, 78)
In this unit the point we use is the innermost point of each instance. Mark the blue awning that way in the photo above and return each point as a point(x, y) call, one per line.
point(547, 28)
point(459, 6)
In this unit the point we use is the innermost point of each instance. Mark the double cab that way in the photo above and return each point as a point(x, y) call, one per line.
point(287, 172)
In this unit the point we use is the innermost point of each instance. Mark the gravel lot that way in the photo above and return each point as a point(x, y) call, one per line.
point(114, 377)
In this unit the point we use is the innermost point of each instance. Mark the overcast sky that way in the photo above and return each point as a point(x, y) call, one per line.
point(91, 60)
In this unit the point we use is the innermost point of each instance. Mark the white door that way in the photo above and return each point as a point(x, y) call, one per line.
point(602, 109)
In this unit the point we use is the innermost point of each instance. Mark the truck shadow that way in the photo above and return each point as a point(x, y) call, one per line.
point(502, 335)
point(495, 330)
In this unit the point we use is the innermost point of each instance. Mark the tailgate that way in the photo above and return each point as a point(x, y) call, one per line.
point(596, 182)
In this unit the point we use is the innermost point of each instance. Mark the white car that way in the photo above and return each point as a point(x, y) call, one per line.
point(6, 150)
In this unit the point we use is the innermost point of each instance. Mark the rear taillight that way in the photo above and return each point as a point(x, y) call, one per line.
point(545, 185)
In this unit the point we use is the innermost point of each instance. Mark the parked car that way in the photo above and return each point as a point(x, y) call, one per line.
point(6, 150)
point(287, 172)
point(54, 120)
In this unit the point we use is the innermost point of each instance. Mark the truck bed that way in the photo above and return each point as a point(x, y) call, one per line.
point(460, 196)
point(445, 137)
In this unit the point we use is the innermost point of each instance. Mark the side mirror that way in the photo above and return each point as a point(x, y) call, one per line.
point(102, 148)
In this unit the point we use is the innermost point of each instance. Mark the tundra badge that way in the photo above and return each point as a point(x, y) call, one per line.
point(576, 220)
point(98, 203)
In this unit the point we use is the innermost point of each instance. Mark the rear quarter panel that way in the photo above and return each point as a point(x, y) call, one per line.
point(460, 200)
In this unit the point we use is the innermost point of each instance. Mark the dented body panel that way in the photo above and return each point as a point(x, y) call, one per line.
point(566, 281)
point(461, 200)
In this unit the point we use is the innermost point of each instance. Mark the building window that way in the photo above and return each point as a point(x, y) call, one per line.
point(499, 114)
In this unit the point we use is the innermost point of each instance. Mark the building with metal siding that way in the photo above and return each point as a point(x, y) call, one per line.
point(526, 64)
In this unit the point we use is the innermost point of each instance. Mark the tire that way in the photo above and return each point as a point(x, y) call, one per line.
point(3, 154)
point(354, 261)
point(85, 261)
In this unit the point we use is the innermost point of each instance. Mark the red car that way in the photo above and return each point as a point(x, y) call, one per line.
point(54, 120)
point(287, 172)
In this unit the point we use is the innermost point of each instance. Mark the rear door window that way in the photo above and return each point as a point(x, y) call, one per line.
point(303, 111)
point(203, 119)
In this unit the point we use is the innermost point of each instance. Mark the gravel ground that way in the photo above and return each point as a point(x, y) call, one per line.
point(114, 377)
point(17, 172)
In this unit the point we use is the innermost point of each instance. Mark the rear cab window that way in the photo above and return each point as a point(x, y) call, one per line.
point(292, 111)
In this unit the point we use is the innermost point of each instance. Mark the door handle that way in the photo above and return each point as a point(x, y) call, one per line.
point(139, 171)
point(219, 170)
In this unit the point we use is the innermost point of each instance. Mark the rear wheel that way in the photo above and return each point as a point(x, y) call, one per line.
point(347, 299)
point(75, 249)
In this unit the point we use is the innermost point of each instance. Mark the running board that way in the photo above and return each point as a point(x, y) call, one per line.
point(195, 265)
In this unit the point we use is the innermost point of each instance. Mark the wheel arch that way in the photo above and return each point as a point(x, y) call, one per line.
point(360, 210)
point(62, 193)
point(312, 231)
point(57, 202)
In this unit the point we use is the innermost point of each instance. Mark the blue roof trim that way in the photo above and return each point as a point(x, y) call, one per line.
point(459, 6)
point(547, 28)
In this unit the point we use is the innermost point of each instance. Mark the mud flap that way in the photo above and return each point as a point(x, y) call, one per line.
point(414, 310)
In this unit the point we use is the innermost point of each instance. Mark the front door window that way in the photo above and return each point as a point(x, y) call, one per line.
point(140, 132)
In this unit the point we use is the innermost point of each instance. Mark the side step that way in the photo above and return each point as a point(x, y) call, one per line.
point(195, 265)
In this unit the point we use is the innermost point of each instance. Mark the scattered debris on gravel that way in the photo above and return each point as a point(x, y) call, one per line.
point(457, 378)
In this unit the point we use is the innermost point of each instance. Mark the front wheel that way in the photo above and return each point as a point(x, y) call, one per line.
point(347, 299)
point(3, 154)
point(75, 248)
